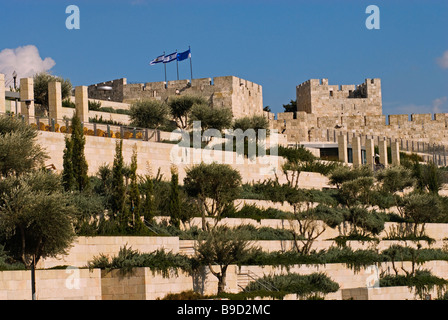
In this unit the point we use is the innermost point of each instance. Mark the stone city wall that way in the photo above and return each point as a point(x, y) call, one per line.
point(421, 128)
point(245, 98)
point(354, 110)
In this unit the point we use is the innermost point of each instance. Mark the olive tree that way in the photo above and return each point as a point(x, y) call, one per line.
point(419, 209)
point(214, 186)
point(41, 81)
point(220, 248)
point(19, 150)
point(211, 118)
point(35, 218)
point(151, 114)
point(180, 108)
point(255, 122)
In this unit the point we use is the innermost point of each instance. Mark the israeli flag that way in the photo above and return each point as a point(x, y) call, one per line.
point(170, 57)
point(184, 55)
point(159, 59)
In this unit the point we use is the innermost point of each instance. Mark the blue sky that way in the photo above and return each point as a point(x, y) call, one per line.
point(278, 44)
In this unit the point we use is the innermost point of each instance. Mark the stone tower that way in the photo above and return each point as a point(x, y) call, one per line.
point(321, 99)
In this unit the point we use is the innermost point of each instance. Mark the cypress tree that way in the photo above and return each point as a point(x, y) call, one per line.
point(80, 167)
point(68, 179)
point(149, 208)
point(134, 192)
point(174, 209)
point(118, 188)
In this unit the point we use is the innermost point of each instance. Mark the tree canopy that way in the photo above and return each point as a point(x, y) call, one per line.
point(149, 114)
point(41, 81)
point(211, 118)
point(214, 185)
point(180, 108)
point(19, 150)
point(35, 216)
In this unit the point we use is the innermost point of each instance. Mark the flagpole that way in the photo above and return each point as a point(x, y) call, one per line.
point(191, 67)
point(164, 65)
point(177, 65)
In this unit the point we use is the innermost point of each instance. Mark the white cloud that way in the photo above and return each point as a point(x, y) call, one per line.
point(438, 104)
point(443, 60)
point(25, 60)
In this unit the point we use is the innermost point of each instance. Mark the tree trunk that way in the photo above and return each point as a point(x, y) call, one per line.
point(33, 278)
point(222, 281)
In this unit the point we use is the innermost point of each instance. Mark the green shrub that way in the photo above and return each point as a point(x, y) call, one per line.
point(67, 103)
point(343, 174)
point(165, 229)
point(266, 233)
point(7, 262)
point(303, 286)
point(248, 191)
point(104, 121)
point(251, 211)
point(341, 241)
point(184, 295)
point(296, 154)
point(165, 263)
point(94, 105)
point(422, 281)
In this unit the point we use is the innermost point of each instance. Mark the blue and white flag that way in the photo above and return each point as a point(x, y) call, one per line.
point(159, 59)
point(184, 55)
point(170, 57)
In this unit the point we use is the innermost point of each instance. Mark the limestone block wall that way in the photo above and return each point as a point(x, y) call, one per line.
point(143, 284)
point(353, 284)
point(79, 284)
point(84, 249)
point(154, 155)
point(115, 286)
point(313, 180)
point(386, 293)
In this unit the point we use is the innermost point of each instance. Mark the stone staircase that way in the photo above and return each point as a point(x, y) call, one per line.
point(244, 277)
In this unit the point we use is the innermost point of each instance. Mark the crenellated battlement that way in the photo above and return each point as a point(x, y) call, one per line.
point(425, 128)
